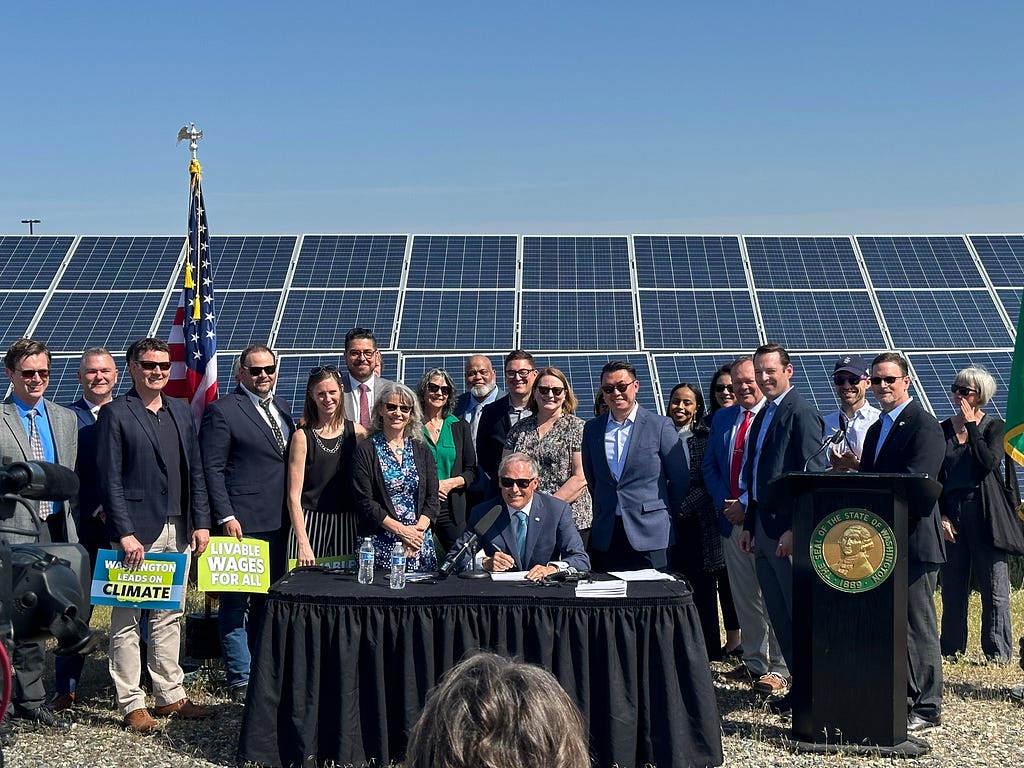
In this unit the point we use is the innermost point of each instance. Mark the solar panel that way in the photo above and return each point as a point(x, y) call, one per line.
point(1002, 256)
point(919, 262)
point(698, 320)
point(73, 322)
point(664, 261)
point(122, 263)
point(317, 319)
point(938, 370)
point(31, 262)
point(441, 261)
point(690, 369)
point(293, 373)
point(820, 320)
point(64, 388)
point(414, 366)
point(1010, 299)
point(943, 319)
point(243, 317)
point(350, 261)
point(578, 320)
point(16, 313)
point(575, 263)
point(584, 375)
point(804, 262)
point(251, 262)
point(447, 320)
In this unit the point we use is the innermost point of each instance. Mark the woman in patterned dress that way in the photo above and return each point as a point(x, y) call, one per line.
point(394, 480)
point(553, 436)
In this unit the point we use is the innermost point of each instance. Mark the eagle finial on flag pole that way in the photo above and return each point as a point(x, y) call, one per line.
point(189, 132)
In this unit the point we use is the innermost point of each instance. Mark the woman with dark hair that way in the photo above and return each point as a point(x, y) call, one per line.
point(319, 462)
point(394, 480)
point(553, 436)
point(491, 711)
point(972, 480)
point(450, 439)
point(698, 549)
point(720, 393)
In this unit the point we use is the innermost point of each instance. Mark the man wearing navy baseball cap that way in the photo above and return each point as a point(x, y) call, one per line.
point(850, 377)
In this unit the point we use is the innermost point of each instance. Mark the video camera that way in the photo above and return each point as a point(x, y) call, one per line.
point(44, 587)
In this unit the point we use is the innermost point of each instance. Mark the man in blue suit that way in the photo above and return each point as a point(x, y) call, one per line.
point(637, 474)
point(534, 533)
point(244, 437)
point(154, 496)
point(784, 436)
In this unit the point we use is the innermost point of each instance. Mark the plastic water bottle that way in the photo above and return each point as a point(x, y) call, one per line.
point(366, 561)
point(398, 566)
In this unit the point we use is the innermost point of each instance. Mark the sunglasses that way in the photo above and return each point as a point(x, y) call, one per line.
point(956, 389)
point(392, 407)
point(522, 373)
point(42, 373)
point(152, 365)
point(723, 388)
point(443, 389)
point(256, 370)
point(877, 381)
point(556, 391)
point(523, 483)
point(847, 381)
point(620, 387)
point(323, 369)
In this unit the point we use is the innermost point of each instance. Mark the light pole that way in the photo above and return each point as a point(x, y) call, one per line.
point(31, 223)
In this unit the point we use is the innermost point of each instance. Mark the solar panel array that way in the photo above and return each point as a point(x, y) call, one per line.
point(676, 306)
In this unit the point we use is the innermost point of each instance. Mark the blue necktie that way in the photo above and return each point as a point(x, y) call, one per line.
point(520, 520)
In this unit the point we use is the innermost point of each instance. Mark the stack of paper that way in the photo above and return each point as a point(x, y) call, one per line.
point(614, 588)
point(646, 574)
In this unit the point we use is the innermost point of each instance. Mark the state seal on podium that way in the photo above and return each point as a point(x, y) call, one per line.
point(853, 550)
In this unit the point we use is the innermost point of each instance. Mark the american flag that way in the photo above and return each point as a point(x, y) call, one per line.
point(193, 338)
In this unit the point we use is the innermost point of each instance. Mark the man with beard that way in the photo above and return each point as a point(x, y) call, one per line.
point(481, 390)
point(855, 414)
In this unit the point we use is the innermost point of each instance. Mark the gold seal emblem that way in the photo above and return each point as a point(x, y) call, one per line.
point(853, 550)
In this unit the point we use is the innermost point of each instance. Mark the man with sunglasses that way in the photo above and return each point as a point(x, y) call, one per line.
point(362, 382)
point(499, 417)
point(534, 533)
point(33, 429)
point(908, 439)
point(243, 437)
point(850, 378)
point(154, 493)
point(637, 474)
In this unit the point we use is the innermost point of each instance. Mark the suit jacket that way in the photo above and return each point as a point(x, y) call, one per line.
point(452, 513)
point(794, 435)
point(245, 470)
point(915, 444)
point(132, 472)
point(465, 399)
point(15, 447)
point(372, 500)
point(550, 534)
point(717, 462)
point(352, 395)
point(655, 478)
point(490, 440)
point(88, 478)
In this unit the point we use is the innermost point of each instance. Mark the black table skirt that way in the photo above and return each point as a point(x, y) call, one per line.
point(341, 670)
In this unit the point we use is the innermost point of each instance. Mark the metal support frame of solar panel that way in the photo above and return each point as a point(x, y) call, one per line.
point(919, 262)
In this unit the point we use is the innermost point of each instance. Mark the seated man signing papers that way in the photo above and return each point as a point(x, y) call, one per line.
point(533, 532)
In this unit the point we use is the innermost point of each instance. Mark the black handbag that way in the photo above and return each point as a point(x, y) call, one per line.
point(1001, 502)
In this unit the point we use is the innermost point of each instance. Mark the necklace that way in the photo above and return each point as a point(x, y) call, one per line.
point(324, 448)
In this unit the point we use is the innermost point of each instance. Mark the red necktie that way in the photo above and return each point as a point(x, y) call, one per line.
point(364, 406)
point(737, 455)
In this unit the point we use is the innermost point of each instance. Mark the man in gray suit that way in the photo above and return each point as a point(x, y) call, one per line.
point(35, 429)
point(361, 383)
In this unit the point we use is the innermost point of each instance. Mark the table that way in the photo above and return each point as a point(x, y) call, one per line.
point(340, 670)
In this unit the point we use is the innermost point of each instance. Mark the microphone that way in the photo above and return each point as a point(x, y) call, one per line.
point(833, 439)
point(38, 480)
point(482, 526)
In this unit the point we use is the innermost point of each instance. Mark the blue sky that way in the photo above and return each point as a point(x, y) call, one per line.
point(471, 117)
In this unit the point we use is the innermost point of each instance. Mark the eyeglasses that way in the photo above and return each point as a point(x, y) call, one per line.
point(439, 389)
point(152, 365)
point(877, 381)
point(323, 369)
point(479, 372)
point(357, 353)
point(392, 407)
point(619, 387)
point(522, 373)
point(522, 482)
point(847, 381)
point(27, 375)
point(719, 388)
point(556, 391)
point(256, 370)
point(956, 389)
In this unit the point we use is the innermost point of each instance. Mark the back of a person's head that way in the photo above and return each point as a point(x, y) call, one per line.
point(489, 712)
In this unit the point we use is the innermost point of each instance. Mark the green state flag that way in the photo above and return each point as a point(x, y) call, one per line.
point(1013, 439)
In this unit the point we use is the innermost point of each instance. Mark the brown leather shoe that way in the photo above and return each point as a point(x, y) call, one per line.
point(62, 701)
point(139, 720)
point(186, 709)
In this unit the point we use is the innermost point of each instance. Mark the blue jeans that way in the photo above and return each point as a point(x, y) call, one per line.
point(233, 622)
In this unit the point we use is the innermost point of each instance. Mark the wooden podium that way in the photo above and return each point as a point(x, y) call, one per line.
point(850, 610)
